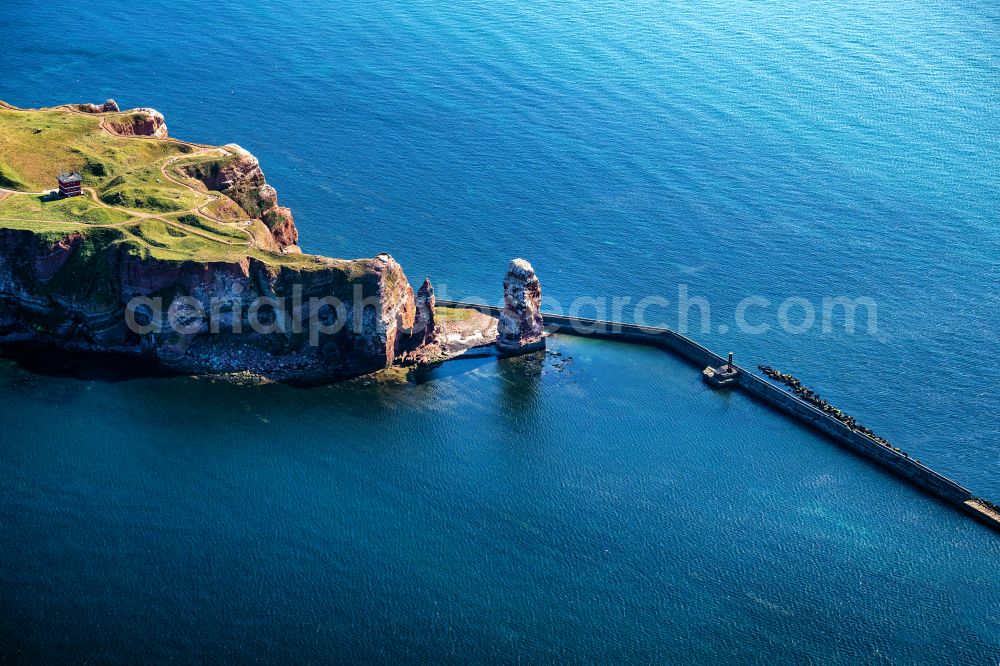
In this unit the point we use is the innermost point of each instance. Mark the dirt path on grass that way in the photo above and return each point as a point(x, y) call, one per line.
point(137, 216)
point(199, 210)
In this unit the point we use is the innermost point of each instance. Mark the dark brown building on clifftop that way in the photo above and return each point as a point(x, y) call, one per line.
point(69, 184)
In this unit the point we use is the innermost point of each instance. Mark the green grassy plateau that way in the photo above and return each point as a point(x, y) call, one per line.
point(138, 191)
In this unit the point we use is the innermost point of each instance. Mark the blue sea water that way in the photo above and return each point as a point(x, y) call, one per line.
point(502, 511)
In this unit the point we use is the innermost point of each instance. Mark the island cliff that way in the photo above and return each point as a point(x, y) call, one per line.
point(164, 222)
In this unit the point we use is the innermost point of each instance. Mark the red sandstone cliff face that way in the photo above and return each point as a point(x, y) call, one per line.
point(245, 170)
point(73, 293)
point(279, 220)
point(242, 180)
point(138, 122)
point(53, 258)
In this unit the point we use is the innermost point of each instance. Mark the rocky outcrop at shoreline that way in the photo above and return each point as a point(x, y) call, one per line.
point(520, 328)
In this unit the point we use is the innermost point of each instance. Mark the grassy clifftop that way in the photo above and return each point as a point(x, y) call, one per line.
point(149, 190)
point(35, 143)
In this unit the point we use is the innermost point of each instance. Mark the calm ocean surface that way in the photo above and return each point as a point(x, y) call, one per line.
point(614, 510)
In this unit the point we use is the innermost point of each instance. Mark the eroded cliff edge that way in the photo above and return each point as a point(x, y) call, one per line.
point(73, 292)
point(164, 222)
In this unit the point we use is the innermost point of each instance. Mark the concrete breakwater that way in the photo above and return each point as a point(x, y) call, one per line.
point(776, 397)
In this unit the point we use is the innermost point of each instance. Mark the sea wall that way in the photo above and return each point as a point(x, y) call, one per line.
point(899, 463)
point(681, 345)
point(774, 396)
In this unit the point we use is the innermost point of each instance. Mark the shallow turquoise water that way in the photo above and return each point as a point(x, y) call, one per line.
point(619, 510)
point(616, 510)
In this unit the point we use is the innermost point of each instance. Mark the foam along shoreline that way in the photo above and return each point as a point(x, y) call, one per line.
point(774, 396)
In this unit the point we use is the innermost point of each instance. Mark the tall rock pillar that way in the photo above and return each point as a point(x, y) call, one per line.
point(520, 328)
point(423, 327)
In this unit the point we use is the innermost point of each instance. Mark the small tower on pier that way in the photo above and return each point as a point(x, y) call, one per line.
point(725, 375)
point(69, 184)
